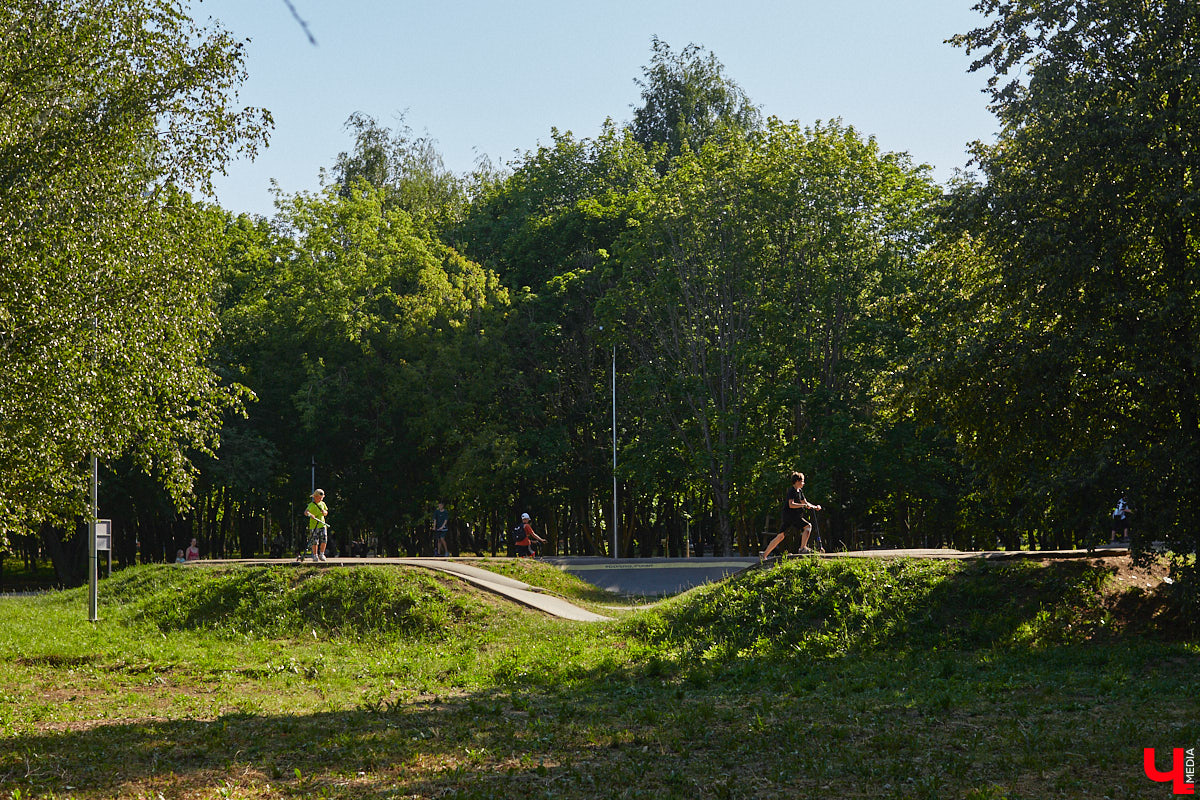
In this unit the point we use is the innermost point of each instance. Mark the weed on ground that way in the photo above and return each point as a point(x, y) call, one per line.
point(909, 680)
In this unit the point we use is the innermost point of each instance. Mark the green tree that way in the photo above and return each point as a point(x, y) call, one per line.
point(364, 339)
point(547, 229)
point(756, 291)
point(689, 304)
point(1076, 326)
point(845, 223)
point(407, 168)
point(107, 110)
point(687, 99)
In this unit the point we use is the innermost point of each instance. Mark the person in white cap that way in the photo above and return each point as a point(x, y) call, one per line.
point(526, 537)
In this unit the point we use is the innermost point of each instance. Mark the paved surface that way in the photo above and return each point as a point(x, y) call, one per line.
point(508, 587)
point(650, 577)
point(1108, 551)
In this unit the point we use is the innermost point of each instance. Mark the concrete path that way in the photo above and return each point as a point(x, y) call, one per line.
point(1107, 551)
point(507, 587)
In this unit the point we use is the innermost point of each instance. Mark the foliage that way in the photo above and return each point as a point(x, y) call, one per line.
point(408, 169)
point(775, 296)
point(359, 334)
point(687, 100)
point(1067, 363)
point(756, 297)
point(548, 230)
point(108, 110)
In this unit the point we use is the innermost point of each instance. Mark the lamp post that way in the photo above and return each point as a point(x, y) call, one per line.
point(616, 524)
point(93, 555)
point(614, 449)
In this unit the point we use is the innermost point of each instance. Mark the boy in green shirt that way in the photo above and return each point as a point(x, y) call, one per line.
point(318, 531)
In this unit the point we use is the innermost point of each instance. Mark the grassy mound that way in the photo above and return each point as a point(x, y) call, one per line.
point(281, 602)
point(823, 608)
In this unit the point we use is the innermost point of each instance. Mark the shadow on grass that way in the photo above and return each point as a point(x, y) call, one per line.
point(484, 745)
point(806, 679)
point(839, 727)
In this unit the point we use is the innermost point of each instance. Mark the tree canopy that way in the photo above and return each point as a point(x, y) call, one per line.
point(1067, 359)
point(687, 99)
point(108, 112)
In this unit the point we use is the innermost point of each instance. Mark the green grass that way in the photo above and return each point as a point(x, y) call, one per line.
point(853, 606)
point(811, 679)
point(272, 602)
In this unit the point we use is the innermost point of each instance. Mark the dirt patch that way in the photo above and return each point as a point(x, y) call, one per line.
point(1139, 599)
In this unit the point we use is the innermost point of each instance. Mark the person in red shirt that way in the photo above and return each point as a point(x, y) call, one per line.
point(524, 543)
point(193, 551)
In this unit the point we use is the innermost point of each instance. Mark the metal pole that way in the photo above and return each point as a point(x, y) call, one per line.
point(313, 483)
point(93, 560)
point(614, 445)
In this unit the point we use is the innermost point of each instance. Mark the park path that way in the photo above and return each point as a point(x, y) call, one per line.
point(508, 587)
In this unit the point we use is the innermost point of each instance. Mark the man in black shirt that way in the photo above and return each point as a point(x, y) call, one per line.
point(793, 516)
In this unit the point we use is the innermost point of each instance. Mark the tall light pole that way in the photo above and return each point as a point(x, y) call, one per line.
point(616, 524)
point(93, 555)
point(614, 448)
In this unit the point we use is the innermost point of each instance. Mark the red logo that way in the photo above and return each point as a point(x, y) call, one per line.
point(1183, 769)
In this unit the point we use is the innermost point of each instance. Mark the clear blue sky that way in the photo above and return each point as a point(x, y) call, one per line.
point(493, 78)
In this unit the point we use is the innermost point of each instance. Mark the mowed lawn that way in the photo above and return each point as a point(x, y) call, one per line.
point(811, 679)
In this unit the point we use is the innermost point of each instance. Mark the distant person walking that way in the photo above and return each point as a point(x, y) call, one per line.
point(193, 551)
point(441, 526)
point(526, 537)
point(318, 531)
point(1120, 519)
point(793, 517)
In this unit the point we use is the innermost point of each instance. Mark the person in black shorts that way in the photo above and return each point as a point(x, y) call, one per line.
point(526, 537)
point(793, 516)
point(441, 526)
point(1121, 519)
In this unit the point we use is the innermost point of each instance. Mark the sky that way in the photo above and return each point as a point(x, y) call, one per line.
point(493, 78)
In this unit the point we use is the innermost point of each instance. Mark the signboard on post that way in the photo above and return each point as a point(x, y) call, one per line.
point(104, 534)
